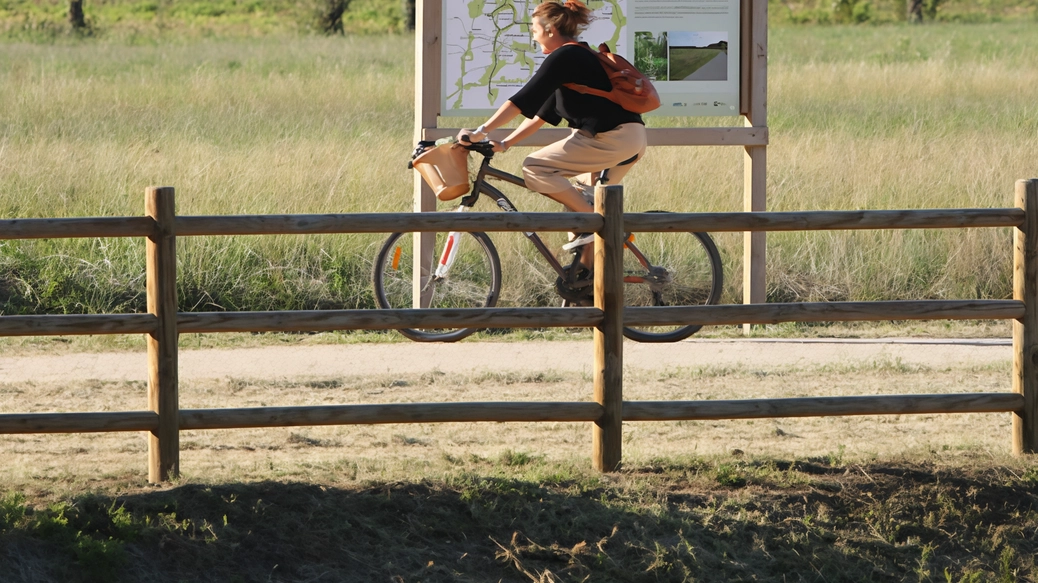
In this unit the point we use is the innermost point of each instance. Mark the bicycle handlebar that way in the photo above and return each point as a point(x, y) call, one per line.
point(485, 147)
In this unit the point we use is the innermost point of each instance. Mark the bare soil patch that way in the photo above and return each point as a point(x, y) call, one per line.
point(53, 364)
point(533, 371)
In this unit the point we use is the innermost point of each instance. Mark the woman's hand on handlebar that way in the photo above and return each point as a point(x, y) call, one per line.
point(470, 136)
point(501, 146)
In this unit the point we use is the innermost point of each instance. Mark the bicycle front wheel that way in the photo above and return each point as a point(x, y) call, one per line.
point(473, 280)
point(670, 269)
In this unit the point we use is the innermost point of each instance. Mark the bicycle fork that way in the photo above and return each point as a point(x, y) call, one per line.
point(448, 254)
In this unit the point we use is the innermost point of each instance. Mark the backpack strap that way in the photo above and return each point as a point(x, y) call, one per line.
point(584, 88)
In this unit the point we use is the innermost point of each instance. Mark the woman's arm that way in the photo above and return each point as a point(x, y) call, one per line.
point(503, 115)
point(525, 130)
point(529, 101)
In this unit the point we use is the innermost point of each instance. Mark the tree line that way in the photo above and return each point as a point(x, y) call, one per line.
point(327, 17)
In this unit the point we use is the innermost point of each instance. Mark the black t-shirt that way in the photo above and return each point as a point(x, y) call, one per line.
point(545, 97)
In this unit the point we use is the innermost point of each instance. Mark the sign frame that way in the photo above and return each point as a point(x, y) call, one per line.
point(752, 136)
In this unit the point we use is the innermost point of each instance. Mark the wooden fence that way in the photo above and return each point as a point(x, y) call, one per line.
point(163, 324)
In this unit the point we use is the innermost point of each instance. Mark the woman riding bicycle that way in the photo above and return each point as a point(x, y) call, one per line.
point(605, 136)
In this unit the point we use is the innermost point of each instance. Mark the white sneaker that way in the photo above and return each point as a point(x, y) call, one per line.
point(579, 240)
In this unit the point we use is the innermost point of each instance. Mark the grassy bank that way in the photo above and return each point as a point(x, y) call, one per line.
point(861, 118)
point(517, 519)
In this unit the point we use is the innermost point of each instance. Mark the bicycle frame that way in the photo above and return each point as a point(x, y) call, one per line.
point(480, 186)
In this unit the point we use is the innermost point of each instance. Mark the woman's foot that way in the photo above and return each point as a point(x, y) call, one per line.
point(585, 241)
point(579, 240)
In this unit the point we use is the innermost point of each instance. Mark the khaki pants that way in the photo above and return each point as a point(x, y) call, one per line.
point(549, 169)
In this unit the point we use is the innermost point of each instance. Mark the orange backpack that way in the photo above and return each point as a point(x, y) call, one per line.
point(632, 90)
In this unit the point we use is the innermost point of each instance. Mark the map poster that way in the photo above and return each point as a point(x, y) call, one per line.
point(690, 48)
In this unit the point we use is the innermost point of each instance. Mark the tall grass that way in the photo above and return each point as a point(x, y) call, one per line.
point(860, 118)
point(247, 126)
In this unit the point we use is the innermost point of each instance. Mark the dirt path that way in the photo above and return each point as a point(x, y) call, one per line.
point(376, 359)
point(316, 375)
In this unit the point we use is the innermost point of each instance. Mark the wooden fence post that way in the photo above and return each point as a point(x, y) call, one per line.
point(164, 442)
point(608, 431)
point(1025, 330)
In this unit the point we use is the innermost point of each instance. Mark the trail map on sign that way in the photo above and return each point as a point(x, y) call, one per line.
point(489, 54)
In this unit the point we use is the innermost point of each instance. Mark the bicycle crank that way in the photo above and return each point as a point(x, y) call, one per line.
point(578, 292)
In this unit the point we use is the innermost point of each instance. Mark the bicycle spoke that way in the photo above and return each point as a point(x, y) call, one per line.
point(673, 269)
point(473, 280)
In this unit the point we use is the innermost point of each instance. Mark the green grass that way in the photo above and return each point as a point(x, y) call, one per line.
point(685, 61)
point(126, 117)
point(861, 117)
point(521, 518)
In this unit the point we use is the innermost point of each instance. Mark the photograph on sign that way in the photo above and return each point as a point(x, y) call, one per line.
point(697, 56)
point(688, 47)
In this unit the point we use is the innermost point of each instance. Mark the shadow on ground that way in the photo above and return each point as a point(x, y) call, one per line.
point(695, 520)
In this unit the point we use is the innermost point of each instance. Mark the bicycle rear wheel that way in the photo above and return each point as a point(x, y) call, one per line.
point(474, 280)
point(675, 269)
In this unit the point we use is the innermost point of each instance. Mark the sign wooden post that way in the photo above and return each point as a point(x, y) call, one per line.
point(427, 46)
point(754, 284)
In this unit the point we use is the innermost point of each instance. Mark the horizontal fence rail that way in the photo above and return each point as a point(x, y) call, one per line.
point(75, 324)
point(104, 422)
point(389, 413)
point(328, 320)
point(823, 220)
point(500, 221)
point(723, 136)
point(76, 228)
point(503, 412)
point(513, 412)
point(386, 223)
point(163, 324)
point(822, 407)
point(825, 312)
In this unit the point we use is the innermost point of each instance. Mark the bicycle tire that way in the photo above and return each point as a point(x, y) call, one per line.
point(474, 280)
point(692, 275)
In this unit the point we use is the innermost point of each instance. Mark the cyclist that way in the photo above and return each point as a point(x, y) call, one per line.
point(605, 136)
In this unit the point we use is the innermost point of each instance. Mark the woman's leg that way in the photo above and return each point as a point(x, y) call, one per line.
point(573, 199)
point(549, 169)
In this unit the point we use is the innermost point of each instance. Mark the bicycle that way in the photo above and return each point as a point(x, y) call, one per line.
point(686, 271)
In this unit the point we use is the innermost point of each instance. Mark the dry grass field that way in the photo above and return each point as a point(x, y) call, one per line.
point(859, 118)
